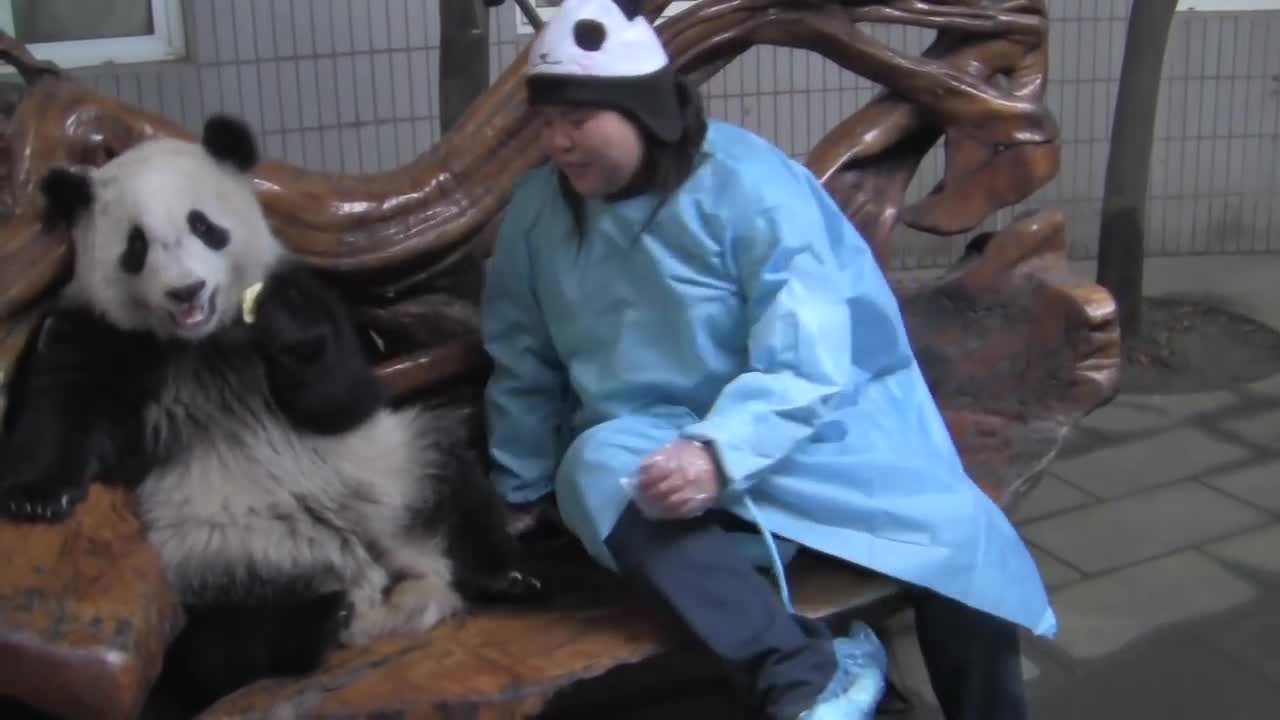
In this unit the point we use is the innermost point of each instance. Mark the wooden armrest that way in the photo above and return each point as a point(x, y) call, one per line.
point(85, 611)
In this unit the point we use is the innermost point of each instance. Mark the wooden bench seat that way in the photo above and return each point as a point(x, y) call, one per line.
point(498, 663)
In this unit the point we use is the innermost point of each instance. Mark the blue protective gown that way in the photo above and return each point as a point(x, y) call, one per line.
point(749, 313)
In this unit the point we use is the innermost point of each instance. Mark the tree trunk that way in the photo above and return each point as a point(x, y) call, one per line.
point(464, 57)
point(1122, 237)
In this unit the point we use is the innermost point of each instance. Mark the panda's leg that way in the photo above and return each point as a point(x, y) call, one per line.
point(414, 555)
point(455, 549)
point(316, 367)
point(485, 553)
point(421, 595)
point(226, 646)
point(289, 554)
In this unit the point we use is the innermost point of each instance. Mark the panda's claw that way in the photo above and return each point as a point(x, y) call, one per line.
point(528, 581)
point(518, 584)
point(52, 508)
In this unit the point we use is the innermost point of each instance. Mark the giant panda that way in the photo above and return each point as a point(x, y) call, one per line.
point(295, 510)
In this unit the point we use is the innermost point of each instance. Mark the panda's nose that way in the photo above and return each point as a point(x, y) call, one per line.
point(186, 293)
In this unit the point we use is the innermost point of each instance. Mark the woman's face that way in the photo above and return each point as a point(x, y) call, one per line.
point(597, 150)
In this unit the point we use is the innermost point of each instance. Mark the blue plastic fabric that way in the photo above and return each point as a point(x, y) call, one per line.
point(748, 313)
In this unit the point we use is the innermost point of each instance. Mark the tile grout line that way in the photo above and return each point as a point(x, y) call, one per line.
point(1077, 488)
point(1064, 562)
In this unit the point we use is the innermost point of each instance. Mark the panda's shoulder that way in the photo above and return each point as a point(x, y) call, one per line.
point(71, 327)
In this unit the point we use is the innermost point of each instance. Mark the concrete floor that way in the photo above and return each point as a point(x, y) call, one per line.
point(1159, 536)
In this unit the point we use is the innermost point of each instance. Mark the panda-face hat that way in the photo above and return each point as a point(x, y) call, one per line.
point(603, 53)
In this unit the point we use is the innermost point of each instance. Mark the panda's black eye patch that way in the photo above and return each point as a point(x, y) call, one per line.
point(210, 233)
point(589, 34)
point(134, 257)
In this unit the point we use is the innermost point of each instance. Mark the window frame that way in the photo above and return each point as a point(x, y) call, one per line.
point(1226, 5)
point(167, 42)
point(546, 13)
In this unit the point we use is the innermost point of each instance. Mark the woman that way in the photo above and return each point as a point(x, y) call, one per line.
point(677, 309)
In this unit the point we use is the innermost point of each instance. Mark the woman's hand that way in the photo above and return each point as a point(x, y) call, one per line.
point(678, 480)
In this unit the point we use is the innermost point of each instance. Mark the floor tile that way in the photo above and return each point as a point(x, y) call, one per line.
point(1257, 550)
point(1180, 453)
point(1268, 386)
point(1098, 616)
point(1054, 572)
point(1164, 677)
point(1258, 484)
point(1051, 496)
point(1261, 426)
point(1143, 526)
point(1250, 636)
point(1151, 413)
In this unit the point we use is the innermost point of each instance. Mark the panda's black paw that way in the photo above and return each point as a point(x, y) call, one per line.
point(514, 586)
point(294, 322)
point(316, 626)
point(518, 584)
point(39, 503)
point(337, 612)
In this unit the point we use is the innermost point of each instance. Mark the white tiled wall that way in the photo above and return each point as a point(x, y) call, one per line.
point(350, 85)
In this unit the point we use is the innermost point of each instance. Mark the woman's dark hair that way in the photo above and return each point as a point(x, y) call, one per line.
point(665, 165)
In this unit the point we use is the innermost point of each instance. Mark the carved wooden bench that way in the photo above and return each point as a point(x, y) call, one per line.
point(1015, 349)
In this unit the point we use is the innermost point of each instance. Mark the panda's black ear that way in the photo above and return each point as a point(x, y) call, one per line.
point(67, 194)
point(229, 139)
point(629, 8)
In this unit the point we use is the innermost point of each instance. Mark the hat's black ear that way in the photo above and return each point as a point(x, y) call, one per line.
point(67, 194)
point(630, 8)
point(229, 140)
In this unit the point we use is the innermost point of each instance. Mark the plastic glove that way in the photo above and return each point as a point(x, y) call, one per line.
point(678, 480)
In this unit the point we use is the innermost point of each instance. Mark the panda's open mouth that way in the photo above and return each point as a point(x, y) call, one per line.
point(196, 314)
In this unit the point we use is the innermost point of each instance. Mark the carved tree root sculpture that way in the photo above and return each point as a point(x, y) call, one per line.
point(394, 232)
point(1014, 348)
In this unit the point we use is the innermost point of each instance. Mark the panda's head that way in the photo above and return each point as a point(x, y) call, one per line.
point(169, 234)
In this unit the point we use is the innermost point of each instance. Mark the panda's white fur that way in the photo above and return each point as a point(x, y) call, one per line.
point(235, 495)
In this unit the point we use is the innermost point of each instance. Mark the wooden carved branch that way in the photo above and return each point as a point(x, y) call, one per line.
point(980, 85)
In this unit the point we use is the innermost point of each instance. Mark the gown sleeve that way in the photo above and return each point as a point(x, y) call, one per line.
point(821, 321)
point(524, 397)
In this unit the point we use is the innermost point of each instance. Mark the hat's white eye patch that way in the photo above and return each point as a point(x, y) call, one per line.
point(589, 35)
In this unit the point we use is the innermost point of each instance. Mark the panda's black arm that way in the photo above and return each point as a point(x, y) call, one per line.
point(316, 367)
point(74, 406)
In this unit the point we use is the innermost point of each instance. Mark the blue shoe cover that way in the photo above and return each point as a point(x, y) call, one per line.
point(859, 682)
